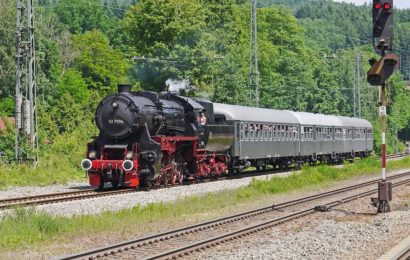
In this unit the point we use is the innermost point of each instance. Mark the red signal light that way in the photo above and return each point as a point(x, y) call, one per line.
point(387, 6)
point(378, 6)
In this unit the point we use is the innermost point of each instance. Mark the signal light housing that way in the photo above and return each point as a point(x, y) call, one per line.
point(382, 11)
point(382, 69)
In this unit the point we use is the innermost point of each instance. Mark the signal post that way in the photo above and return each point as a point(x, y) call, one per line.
point(379, 73)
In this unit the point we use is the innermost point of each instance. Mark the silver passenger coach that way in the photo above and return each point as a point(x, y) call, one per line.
point(280, 138)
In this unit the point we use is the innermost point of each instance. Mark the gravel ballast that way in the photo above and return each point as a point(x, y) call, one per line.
point(142, 198)
point(124, 201)
point(352, 231)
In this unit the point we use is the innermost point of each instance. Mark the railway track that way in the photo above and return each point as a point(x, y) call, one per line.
point(91, 193)
point(181, 242)
point(58, 197)
point(398, 155)
point(399, 252)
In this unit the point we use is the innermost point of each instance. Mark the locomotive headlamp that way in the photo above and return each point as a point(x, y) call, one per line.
point(127, 165)
point(114, 105)
point(92, 154)
point(129, 155)
point(86, 164)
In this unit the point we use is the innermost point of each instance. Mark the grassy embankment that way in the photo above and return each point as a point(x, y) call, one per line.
point(59, 164)
point(27, 228)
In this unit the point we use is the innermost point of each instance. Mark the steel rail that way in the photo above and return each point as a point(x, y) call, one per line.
point(91, 193)
point(202, 245)
point(58, 197)
point(180, 232)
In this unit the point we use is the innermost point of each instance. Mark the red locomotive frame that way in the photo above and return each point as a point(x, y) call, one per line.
point(206, 164)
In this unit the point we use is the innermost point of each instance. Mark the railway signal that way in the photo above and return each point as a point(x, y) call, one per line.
point(382, 11)
point(382, 69)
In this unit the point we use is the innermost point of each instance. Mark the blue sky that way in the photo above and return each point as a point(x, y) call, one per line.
point(397, 3)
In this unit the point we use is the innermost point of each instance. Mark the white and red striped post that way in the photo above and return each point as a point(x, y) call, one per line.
point(385, 188)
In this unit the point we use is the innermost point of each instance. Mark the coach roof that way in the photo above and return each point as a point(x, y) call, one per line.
point(253, 114)
point(354, 122)
point(317, 119)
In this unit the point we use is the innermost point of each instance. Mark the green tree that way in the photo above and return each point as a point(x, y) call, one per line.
point(101, 66)
point(7, 48)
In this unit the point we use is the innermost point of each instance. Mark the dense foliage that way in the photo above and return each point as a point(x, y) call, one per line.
point(306, 58)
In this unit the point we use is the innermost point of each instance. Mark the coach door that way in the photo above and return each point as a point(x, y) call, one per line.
point(240, 137)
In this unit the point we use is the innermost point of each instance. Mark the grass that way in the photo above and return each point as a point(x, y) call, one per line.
point(26, 228)
point(57, 171)
point(59, 165)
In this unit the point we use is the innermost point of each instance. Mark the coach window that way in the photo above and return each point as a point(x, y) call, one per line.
point(290, 133)
point(287, 130)
point(279, 136)
point(273, 132)
point(265, 132)
point(257, 132)
point(246, 130)
point(281, 132)
point(270, 129)
point(241, 132)
point(305, 133)
point(298, 133)
point(251, 132)
point(262, 132)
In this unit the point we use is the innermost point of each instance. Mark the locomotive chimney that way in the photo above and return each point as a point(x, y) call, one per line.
point(124, 88)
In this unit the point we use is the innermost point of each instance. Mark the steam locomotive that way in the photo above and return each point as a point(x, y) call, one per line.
point(150, 139)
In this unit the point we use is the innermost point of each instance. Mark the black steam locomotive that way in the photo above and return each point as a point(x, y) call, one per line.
point(148, 139)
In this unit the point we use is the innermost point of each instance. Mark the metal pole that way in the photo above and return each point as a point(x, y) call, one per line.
point(26, 122)
point(354, 88)
point(254, 68)
point(255, 24)
point(358, 86)
point(17, 113)
point(383, 125)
